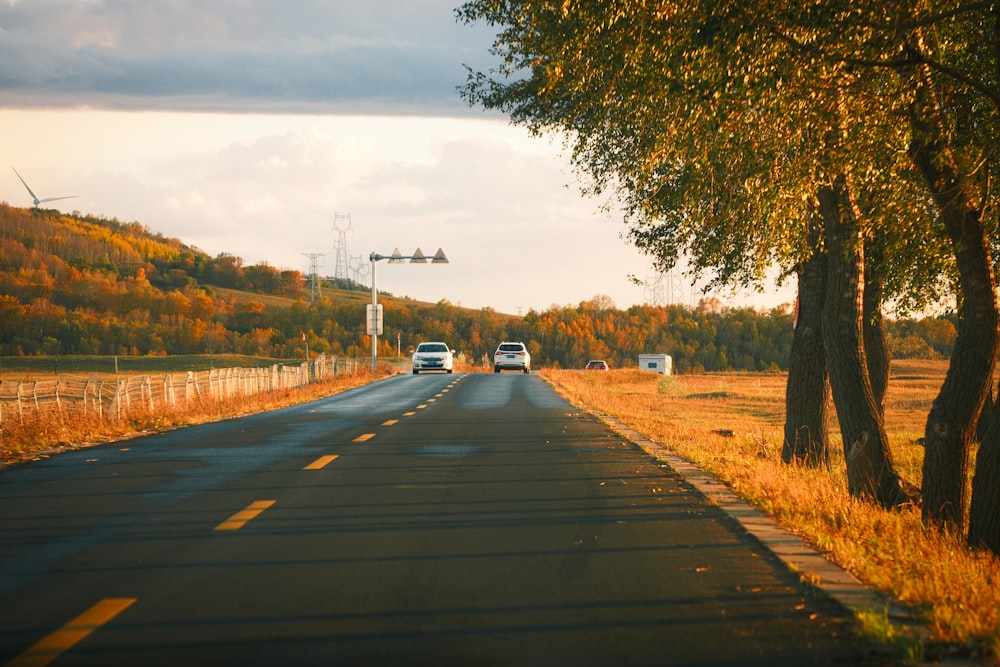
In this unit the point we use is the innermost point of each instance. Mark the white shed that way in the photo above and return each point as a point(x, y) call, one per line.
point(658, 363)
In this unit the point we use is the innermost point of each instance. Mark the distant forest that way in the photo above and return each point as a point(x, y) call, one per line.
point(84, 285)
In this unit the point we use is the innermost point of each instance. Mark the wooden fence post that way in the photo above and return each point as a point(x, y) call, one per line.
point(20, 409)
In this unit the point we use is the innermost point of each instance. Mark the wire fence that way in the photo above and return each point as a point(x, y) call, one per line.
point(118, 397)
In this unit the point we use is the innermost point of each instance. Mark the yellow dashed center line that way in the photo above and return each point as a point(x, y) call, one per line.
point(238, 520)
point(409, 414)
point(421, 406)
point(321, 462)
point(51, 647)
point(364, 437)
point(390, 422)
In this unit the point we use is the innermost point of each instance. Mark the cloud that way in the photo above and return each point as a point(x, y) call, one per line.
point(292, 112)
point(383, 56)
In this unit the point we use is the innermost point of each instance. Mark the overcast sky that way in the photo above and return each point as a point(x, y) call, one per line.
point(247, 126)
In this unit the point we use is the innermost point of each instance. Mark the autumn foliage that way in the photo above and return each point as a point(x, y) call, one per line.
point(78, 285)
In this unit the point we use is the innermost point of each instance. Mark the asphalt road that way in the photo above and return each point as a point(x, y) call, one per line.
point(422, 520)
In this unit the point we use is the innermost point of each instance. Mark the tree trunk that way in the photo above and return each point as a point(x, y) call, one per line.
point(986, 415)
point(870, 471)
point(806, 435)
point(984, 512)
point(876, 346)
point(984, 515)
point(952, 420)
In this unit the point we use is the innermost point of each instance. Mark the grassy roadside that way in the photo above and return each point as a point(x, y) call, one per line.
point(53, 432)
point(731, 424)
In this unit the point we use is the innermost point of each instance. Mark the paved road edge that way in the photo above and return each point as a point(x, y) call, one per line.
point(791, 549)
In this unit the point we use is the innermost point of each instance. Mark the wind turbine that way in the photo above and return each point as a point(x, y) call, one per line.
point(38, 201)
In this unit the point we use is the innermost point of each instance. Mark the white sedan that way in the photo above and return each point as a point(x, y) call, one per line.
point(433, 357)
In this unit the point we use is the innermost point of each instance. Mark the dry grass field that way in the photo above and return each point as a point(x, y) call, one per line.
point(732, 425)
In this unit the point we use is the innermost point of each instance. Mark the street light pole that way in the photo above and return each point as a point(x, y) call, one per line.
point(395, 258)
point(372, 321)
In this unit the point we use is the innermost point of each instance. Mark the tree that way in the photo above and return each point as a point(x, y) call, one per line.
point(721, 125)
point(948, 69)
point(713, 130)
point(806, 435)
point(870, 471)
point(951, 424)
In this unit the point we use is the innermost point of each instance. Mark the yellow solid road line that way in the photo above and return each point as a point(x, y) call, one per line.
point(364, 437)
point(51, 647)
point(321, 462)
point(238, 520)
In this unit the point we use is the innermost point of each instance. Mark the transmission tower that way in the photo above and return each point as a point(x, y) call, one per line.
point(358, 270)
point(675, 288)
point(341, 266)
point(653, 290)
point(315, 259)
point(666, 289)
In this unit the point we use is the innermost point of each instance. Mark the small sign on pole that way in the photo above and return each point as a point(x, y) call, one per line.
point(374, 321)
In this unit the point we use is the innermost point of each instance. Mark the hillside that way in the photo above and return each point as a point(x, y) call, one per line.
point(89, 286)
point(84, 285)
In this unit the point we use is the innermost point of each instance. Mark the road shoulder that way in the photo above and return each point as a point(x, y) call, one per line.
point(800, 557)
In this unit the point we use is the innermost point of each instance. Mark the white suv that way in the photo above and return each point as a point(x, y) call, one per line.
point(512, 356)
point(433, 357)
